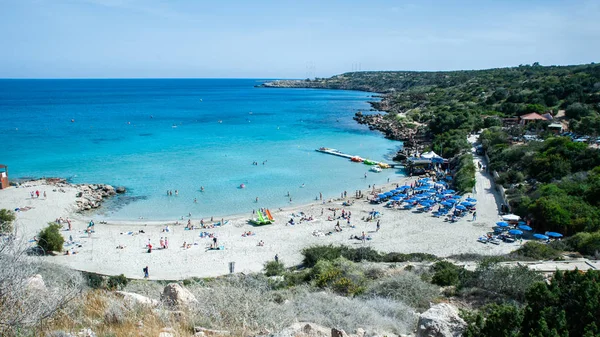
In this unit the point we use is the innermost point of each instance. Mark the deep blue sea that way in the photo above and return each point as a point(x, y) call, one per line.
point(154, 135)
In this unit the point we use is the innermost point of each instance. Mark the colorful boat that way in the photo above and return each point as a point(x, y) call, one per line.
point(369, 162)
point(375, 169)
point(384, 165)
point(357, 159)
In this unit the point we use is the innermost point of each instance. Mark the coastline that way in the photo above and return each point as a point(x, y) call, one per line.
point(401, 231)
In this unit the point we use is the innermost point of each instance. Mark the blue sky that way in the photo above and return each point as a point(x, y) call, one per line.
point(287, 39)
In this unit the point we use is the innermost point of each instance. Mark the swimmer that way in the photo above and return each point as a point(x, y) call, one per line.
point(201, 188)
point(302, 185)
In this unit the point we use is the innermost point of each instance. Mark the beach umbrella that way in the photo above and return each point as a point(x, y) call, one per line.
point(445, 203)
point(381, 195)
point(522, 223)
point(450, 191)
point(425, 203)
point(554, 234)
point(404, 186)
point(396, 198)
point(502, 224)
point(388, 194)
point(471, 200)
point(466, 203)
point(511, 217)
point(525, 227)
point(456, 197)
point(452, 201)
point(540, 236)
point(460, 207)
point(515, 232)
point(401, 195)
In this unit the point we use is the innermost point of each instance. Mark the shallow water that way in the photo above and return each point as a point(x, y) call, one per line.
point(154, 135)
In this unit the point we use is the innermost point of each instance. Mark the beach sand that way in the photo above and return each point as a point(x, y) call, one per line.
point(401, 231)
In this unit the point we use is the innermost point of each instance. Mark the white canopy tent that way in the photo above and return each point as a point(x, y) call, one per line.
point(511, 217)
point(430, 155)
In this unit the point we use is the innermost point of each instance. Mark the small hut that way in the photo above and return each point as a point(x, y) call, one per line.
point(3, 176)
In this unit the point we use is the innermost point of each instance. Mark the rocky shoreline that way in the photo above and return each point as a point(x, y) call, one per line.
point(413, 138)
point(89, 196)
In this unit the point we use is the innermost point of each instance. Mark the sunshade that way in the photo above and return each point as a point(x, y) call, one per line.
point(502, 224)
point(554, 234)
point(540, 236)
point(525, 227)
point(515, 232)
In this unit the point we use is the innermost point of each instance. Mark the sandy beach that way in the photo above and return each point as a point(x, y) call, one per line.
point(401, 231)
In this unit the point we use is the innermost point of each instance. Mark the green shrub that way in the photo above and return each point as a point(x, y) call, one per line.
point(464, 178)
point(313, 254)
point(585, 243)
point(274, 268)
point(412, 257)
point(117, 282)
point(445, 274)
point(6, 219)
point(494, 320)
point(361, 254)
point(340, 275)
point(50, 239)
point(501, 281)
point(94, 281)
point(536, 251)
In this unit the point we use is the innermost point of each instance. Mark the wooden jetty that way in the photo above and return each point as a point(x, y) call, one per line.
point(335, 152)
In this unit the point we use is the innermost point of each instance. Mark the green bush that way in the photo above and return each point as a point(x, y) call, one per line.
point(274, 268)
point(494, 320)
point(411, 257)
point(312, 255)
point(464, 178)
point(6, 219)
point(585, 243)
point(50, 239)
point(536, 251)
point(117, 282)
point(445, 274)
point(503, 282)
point(94, 281)
point(340, 275)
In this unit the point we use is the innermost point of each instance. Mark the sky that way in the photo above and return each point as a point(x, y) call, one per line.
point(288, 39)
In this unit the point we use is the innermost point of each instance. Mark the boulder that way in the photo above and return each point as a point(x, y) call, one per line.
point(441, 320)
point(36, 283)
point(120, 189)
point(133, 299)
point(86, 333)
point(177, 296)
point(338, 333)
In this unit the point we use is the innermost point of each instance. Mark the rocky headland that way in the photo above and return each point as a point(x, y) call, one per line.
point(88, 197)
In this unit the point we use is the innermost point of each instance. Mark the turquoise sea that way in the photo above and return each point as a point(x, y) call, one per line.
point(154, 135)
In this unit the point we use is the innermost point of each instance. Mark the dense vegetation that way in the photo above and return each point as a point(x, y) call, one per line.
point(50, 239)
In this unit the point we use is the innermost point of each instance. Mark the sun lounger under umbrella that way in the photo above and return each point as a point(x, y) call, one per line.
point(554, 234)
point(515, 232)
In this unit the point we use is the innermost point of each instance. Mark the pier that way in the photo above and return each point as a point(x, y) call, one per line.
point(335, 152)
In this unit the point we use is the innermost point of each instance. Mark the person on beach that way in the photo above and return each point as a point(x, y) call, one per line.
point(363, 237)
point(474, 216)
point(378, 226)
point(44, 194)
point(166, 243)
point(146, 272)
point(162, 243)
point(276, 258)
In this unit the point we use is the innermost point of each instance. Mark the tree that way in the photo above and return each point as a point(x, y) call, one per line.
point(578, 110)
point(568, 306)
point(6, 219)
point(50, 239)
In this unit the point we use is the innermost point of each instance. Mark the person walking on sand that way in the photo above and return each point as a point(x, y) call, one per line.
point(146, 272)
point(45, 195)
point(276, 258)
point(363, 237)
point(378, 226)
point(474, 216)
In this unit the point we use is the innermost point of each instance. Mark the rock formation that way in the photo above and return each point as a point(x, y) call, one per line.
point(441, 320)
